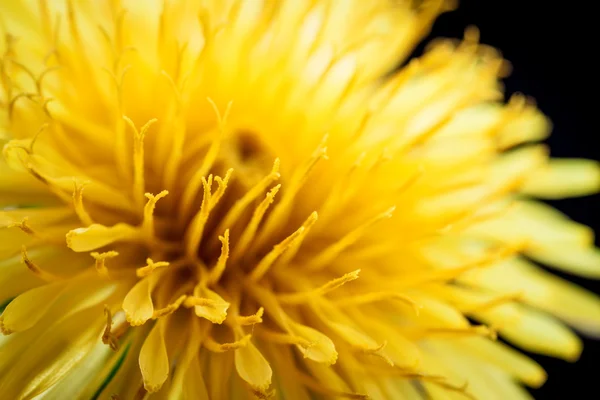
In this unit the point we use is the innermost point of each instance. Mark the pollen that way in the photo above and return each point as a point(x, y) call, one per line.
point(249, 199)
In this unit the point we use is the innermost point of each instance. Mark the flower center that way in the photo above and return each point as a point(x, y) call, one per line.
point(205, 242)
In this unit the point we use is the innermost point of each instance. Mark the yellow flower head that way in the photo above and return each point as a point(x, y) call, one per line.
point(236, 199)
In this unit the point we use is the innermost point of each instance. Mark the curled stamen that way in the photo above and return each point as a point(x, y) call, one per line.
point(216, 347)
point(138, 159)
point(196, 228)
point(347, 185)
point(13, 102)
point(48, 277)
point(24, 226)
point(118, 82)
point(169, 309)
point(192, 301)
point(221, 186)
point(476, 218)
point(281, 211)
point(284, 338)
point(37, 135)
point(121, 151)
point(50, 185)
point(193, 235)
point(453, 273)
point(218, 270)
point(80, 210)
point(375, 297)
point(255, 318)
point(250, 230)
point(376, 351)
point(462, 389)
point(291, 252)
point(479, 330)
point(40, 79)
point(268, 260)
point(175, 123)
point(107, 337)
point(235, 212)
point(148, 222)
point(327, 255)
point(174, 88)
point(150, 267)
point(494, 302)
point(301, 297)
point(193, 185)
point(101, 259)
point(45, 107)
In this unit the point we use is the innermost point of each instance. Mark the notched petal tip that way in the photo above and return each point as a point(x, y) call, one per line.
point(253, 368)
point(3, 329)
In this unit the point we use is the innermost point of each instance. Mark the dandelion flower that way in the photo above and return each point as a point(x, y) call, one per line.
point(245, 199)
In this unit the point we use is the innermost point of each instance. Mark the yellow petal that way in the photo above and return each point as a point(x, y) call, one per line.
point(354, 336)
point(87, 291)
point(216, 312)
point(80, 296)
point(219, 374)
point(538, 225)
point(61, 177)
point(36, 217)
point(328, 378)
point(20, 188)
point(96, 236)
point(445, 152)
point(438, 313)
point(52, 354)
point(399, 389)
point(154, 361)
point(580, 260)
point(533, 330)
point(472, 122)
point(27, 309)
point(75, 385)
point(564, 178)
point(194, 387)
point(526, 124)
point(511, 168)
point(188, 380)
point(400, 350)
point(333, 85)
point(468, 375)
point(569, 302)
point(506, 387)
point(321, 348)
point(253, 367)
point(12, 242)
point(282, 359)
point(137, 304)
point(15, 278)
point(129, 370)
point(506, 358)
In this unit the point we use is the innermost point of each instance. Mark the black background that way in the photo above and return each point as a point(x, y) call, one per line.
point(552, 48)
